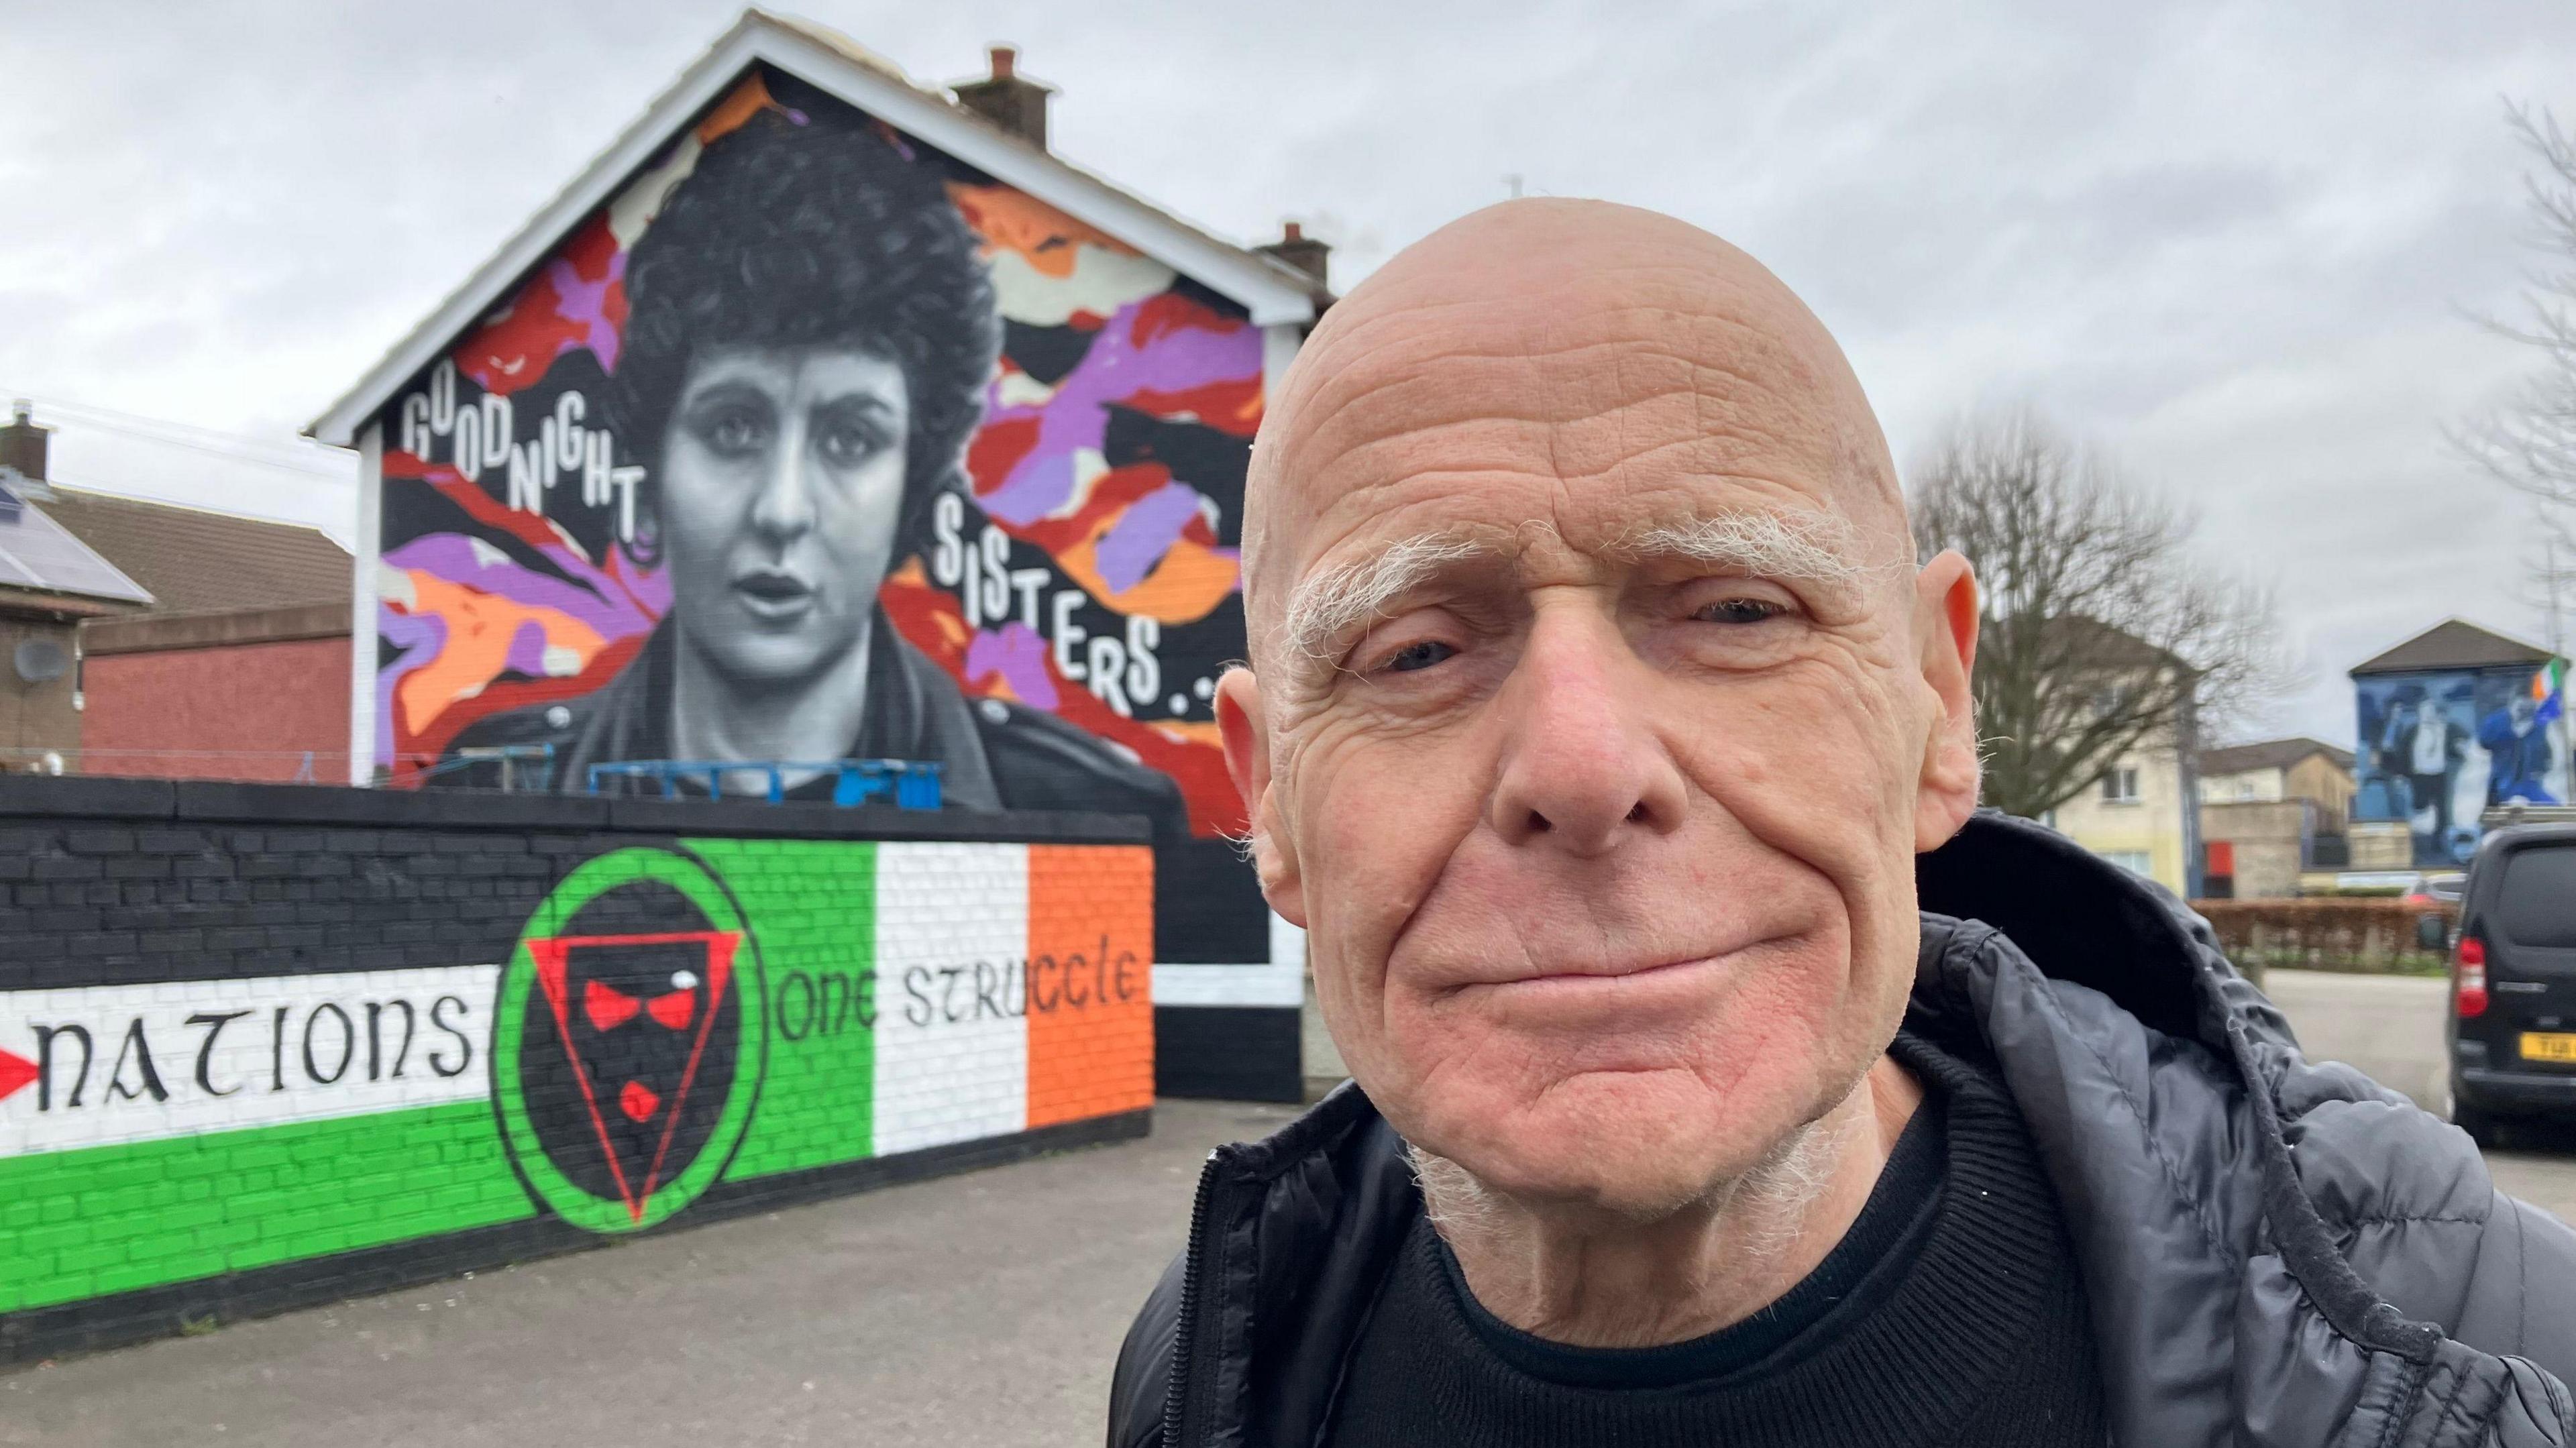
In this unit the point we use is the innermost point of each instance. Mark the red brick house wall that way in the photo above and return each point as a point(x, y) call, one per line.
point(253, 707)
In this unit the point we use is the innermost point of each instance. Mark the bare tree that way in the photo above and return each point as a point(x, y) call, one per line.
point(2098, 629)
point(2530, 441)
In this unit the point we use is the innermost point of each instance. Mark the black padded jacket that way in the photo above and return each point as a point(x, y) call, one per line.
point(2275, 1251)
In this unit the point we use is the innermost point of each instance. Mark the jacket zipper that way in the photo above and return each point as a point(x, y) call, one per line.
point(1185, 1325)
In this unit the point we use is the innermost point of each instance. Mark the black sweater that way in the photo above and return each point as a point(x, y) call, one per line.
point(1949, 1313)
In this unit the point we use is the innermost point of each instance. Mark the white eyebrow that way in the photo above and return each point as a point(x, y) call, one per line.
point(1326, 606)
point(1817, 547)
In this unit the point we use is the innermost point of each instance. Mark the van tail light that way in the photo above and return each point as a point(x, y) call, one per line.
point(2469, 978)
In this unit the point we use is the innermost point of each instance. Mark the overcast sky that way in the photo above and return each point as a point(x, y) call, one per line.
point(2235, 246)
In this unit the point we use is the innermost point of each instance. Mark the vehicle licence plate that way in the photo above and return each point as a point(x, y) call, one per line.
point(2549, 1046)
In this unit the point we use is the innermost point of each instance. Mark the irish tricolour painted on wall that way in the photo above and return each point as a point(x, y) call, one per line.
point(673, 1022)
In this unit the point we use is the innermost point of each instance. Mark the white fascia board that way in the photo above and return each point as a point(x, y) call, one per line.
point(1249, 280)
point(364, 619)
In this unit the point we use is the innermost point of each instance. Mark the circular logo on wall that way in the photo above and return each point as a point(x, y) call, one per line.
point(628, 1042)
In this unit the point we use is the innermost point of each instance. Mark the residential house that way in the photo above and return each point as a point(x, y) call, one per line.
point(2271, 809)
point(152, 638)
point(2132, 815)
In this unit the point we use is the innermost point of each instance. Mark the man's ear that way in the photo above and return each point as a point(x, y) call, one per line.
point(1945, 627)
point(1247, 758)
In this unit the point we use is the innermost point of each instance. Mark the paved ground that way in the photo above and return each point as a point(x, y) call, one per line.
point(2391, 1027)
point(974, 1310)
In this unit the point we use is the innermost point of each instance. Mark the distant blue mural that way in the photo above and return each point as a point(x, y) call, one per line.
point(2437, 749)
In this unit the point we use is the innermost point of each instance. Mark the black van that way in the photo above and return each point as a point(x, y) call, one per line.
point(2512, 1022)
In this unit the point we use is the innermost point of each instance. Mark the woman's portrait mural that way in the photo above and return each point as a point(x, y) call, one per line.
point(812, 444)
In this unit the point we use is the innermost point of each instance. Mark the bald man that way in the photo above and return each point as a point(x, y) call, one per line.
point(1719, 1074)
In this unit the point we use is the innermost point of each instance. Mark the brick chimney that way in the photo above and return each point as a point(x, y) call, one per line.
point(22, 443)
point(1301, 251)
point(1009, 99)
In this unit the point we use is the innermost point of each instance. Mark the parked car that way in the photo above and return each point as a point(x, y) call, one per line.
point(2512, 1027)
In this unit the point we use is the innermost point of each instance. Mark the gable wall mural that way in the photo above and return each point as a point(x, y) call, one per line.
point(2438, 749)
point(815, 443)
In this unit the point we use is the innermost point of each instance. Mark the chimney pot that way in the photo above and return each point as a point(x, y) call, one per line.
point(1307, 254)
point(22, 442)
point(1007, 98)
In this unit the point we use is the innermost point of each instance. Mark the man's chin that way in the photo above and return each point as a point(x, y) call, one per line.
point(1630, 1144)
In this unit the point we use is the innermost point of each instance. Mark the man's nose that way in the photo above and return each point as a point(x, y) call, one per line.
point(1582, 768)
point(783, 509)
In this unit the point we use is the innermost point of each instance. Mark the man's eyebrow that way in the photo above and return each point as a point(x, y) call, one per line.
point(1327, 605)
point(1803, 545)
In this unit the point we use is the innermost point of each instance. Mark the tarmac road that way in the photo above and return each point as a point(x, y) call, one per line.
point(967, 1311)
point(972, 1310)
point(2391, 1027)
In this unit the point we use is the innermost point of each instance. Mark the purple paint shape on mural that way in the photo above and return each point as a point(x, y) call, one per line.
point(416, 639)
point(1018, 655)
point(587, 303)
point(1076, 416)
point(528, 649)
point(616, 611)
point(1143, 534)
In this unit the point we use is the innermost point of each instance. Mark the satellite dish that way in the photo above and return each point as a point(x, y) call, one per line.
point(41, 660)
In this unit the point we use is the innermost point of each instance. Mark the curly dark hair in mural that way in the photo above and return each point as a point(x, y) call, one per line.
point(817, 235)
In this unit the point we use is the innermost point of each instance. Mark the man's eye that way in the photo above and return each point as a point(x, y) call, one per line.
point(1418, 656)
point(1739, 610)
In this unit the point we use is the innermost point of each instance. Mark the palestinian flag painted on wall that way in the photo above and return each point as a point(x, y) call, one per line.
point(671, 1018)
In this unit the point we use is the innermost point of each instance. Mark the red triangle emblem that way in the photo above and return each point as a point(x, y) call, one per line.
point(551, 953)
point(15, 1072)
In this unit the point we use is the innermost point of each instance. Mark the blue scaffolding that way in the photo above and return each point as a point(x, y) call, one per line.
point(907, 783)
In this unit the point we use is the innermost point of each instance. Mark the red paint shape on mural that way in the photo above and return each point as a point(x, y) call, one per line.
point(997, 450)
point(638, 1101)
point(1170, 312)
point(1232, 406)
point(15, 1072)
point(607, 1009)
point(578, 300)
point(673, 1012)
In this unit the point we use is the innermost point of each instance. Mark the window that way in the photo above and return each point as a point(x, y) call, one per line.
point(2120, 786)
point(2133, 861)
point(2532, 905)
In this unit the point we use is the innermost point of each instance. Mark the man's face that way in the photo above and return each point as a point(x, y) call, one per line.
point(782, 483)
point(1602, 817)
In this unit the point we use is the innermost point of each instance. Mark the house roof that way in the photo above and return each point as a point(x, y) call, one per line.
point(1271, 290)
point(39, 556)
point(195, 559)
point(2453, 644)
point(2270, 754)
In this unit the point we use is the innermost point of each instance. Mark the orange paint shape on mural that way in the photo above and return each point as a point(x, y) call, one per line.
point(730, 115)
point(1047, 239)
point(1091, 981)
point(480, 629)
